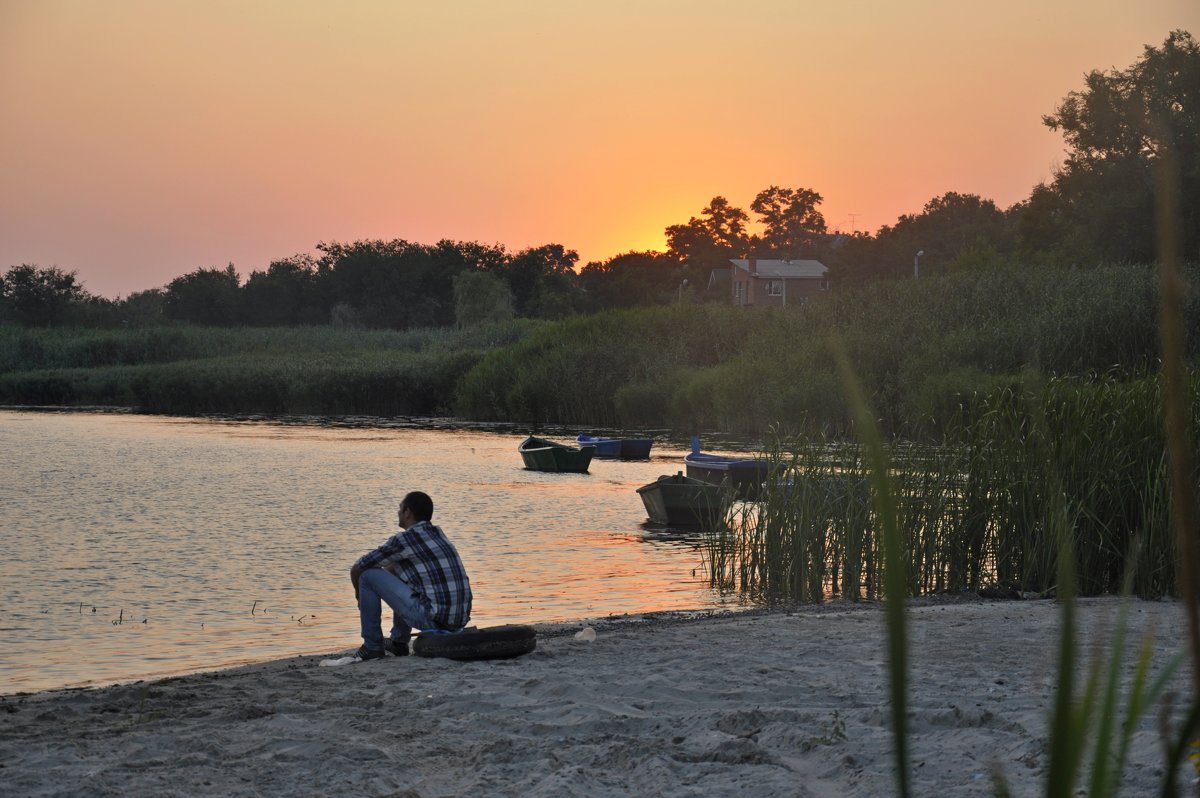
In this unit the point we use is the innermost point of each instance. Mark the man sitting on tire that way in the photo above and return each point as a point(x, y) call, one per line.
point(419, 574)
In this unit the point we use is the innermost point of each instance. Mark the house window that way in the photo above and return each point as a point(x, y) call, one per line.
point(739, 293)
point(774, 287)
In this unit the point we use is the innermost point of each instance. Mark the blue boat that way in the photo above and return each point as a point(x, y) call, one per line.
point(618, 448)
point(745, 475)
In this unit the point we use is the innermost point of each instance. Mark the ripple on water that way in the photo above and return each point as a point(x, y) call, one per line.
point(140, 545)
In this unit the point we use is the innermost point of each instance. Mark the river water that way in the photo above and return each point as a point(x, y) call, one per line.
point(138, 546)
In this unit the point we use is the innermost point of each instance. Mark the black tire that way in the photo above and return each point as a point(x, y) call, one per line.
point(492, 642)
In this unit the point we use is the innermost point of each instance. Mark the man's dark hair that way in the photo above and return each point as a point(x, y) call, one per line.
point(419, 504)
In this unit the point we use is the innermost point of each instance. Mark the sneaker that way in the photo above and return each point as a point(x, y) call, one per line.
point(365, 653)
point(397, 648)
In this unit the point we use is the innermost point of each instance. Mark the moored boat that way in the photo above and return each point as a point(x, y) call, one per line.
point(676, 500)
point(540, 454)
point(746, 475)
point(618, 448)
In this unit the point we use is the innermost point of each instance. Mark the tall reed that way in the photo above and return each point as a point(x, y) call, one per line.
point(982, 509)
point(884, 505)
point(1092, 723)
point(1180, 428)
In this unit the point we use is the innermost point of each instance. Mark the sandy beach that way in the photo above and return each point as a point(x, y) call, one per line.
point(788, 703)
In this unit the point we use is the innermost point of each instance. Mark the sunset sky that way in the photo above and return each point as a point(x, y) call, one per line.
point(143, 139)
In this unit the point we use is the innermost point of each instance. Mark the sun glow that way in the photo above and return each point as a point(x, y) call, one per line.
point(132, 155)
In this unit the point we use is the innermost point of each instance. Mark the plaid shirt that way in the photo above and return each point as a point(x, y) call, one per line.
point(427, 561)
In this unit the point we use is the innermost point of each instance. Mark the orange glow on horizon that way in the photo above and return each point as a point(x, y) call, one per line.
point(143, 140)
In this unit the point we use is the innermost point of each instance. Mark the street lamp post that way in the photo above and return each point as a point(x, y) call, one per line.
point(917, 263)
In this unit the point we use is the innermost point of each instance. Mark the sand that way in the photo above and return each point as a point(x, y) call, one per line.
point(782, 703)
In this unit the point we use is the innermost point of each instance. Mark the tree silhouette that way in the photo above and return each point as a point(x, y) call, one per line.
point(205, 296)
point(1118, 127)
point(710, 240)
point(39, 297)
point(793, 227)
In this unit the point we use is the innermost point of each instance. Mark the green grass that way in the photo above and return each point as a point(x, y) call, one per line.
point(272, 370)
point(918, 348)
point(373, 383)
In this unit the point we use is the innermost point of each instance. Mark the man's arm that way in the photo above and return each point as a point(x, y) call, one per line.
point(381, 557)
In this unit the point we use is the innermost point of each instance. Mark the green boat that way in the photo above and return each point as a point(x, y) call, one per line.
point(543, 455)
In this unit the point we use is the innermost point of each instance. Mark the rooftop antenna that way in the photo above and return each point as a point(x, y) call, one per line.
point(852, 215)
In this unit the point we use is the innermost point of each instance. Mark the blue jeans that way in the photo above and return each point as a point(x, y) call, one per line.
point(376, 585)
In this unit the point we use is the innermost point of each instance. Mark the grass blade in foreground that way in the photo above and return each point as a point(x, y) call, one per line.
point(895, 589)
point(1175, 397)
point(1068, 725)
point(1183, 495)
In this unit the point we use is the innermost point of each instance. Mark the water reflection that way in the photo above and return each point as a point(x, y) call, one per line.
point(139, 546)
point(690, 536)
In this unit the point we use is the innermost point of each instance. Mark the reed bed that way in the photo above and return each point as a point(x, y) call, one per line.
point(917, 347)
point(1059, 485)
point(980, 510)
point(372, 383)
point(32, 349)
point(612, 369)
point(256, 370)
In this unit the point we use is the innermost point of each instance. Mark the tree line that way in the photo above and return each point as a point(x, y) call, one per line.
point(1132, 134)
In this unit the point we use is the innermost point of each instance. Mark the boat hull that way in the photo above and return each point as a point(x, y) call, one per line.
point(543, 455)
point(618, 448)
point(636, 448)
point(745, 475)
point(605, 447)
point(682, 501)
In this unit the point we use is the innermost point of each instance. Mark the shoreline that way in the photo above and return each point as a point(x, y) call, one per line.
point(544, 629)
point(790, 701)
point(680, 438)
